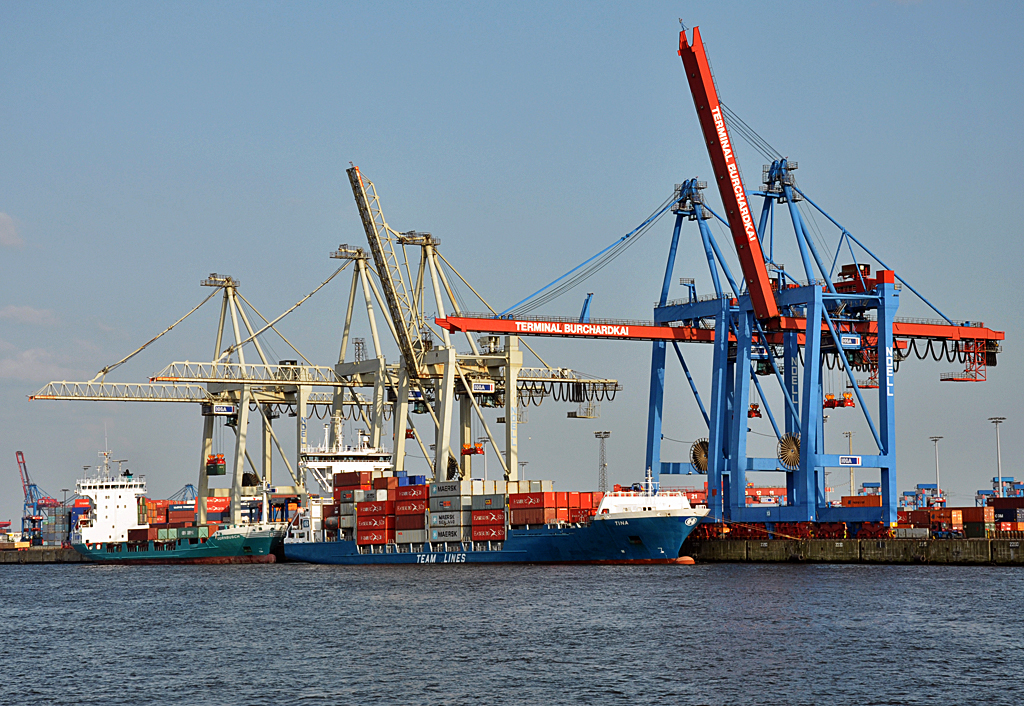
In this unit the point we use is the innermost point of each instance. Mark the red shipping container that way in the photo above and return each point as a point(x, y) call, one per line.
point(330, 511)
point(392, 494)
point(410, 522)
point(561, 499)
point(586, 500)
point(375, 507)
point(336, 495)
point(213, 527)
point(575, 498)
point(488, 517)
point(1005, 503)
point(375, 522)
point(153, 533)
point(977, 514)
point(385, 483)
point(531, 500)
point(216, 504)
point(903, 516)
point(562, 514)
point(1007, 526)
point(375, 537)
point(533, 516)
point(410, 507)
point(412, 492)
point(353, 478)
point(595, 499)
point(581, 514)
point(489, 533)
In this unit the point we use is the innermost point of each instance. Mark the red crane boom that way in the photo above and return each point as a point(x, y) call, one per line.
point(727, 175)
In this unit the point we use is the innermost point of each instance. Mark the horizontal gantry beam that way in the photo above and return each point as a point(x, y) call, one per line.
point(650, 331)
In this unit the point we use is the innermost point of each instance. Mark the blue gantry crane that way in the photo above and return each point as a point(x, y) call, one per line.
point(36, 502)
point(770, 325)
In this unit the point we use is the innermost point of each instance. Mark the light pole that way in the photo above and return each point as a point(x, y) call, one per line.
point(522, 470)
point(999, 455)
point(602, 463)
point(935, 440)
point(484, 440)
point(849, 440)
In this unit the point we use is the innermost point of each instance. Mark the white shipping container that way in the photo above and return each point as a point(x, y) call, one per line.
point(380, 495)
point(346, 508)
point(452, 503)
point(451, 519)
point(451, 534)
point(361, 496)
point(410, 536)
point(346, 521)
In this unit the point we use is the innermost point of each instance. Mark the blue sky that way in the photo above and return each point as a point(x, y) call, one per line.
point(145, 146)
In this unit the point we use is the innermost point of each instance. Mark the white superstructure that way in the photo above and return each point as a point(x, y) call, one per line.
point(326, 460)
point(647, 502)
point(115, 505)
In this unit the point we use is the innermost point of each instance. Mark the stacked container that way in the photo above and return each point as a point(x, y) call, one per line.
point(541, 508)
point(978, 521)
point(346, 487)
point(411, 506)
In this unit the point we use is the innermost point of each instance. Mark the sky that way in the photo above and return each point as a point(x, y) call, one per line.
point(145, 146)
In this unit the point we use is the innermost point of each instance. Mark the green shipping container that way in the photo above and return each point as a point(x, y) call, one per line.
point(978, 530)
point(161, 534)
point(189, 533)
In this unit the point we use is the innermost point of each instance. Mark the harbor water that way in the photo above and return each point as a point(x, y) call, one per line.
point(485, 634)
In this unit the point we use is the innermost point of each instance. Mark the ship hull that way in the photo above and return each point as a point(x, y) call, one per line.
point(645, 540)
point(240, 547)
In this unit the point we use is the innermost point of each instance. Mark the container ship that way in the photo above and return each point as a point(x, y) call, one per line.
point(117, 529)
point(385, 517)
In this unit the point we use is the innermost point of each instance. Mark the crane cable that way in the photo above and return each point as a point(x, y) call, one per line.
point(589, 267)
point(104, 371)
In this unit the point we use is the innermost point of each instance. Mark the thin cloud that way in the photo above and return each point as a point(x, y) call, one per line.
point(9, 237)
point(36, 364)
point(28, 315)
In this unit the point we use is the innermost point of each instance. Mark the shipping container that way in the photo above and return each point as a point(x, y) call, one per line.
point(356, 478)
point(409, 522)
point(456, 487)
point(412, 492)
point(531, 500)
point(947, 515)
point(346, 521)
point(977, 514)
point(375, 507)
point(862, 500)
point(410, 507)
point(386, 483)
point(488, 533)
point(488, 517)
point(345, 495)
point(451, 534)
point(581, 514)
point(375, 537)
point(138, 535)
point(978, 530)
point(375, 522)
point(488, 502)
point(912, 533)
point(1005, 503)
point(451, 503)
point(450, 519)
point(1009, 514)
point(347, 509)
point(533, 516)
point(411, 536)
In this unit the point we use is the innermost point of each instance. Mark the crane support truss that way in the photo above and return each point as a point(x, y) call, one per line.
point(122, 392)
point(727, 175)
point(381, 240)
point(186, 371)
